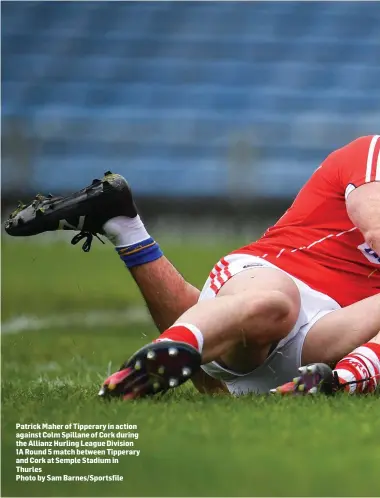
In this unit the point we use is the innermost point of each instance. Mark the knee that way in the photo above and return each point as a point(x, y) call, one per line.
point(282, 305)
point(275, 305)
point(271, 315)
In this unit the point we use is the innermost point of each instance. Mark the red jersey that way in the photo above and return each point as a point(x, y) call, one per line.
point(315, 241)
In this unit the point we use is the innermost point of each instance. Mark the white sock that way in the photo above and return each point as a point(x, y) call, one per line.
point(124, 231)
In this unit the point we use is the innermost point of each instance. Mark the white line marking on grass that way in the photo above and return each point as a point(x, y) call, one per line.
point(102, 318)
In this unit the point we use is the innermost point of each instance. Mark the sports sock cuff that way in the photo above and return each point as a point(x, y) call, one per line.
point(124, 231)
point(141, 253)
point(361, 368)
point(183, 332)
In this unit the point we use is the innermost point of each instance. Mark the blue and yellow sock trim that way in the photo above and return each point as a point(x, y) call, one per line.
point(141, 253)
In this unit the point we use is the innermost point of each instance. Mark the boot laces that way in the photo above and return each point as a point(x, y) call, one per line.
point(89, 238)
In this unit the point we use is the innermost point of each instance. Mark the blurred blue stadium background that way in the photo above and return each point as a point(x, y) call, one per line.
point(185, 99)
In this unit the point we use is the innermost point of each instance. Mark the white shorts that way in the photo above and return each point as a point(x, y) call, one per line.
point(283, 363)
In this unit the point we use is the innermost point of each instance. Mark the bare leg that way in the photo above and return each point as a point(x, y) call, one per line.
point(165, 291)
point(252, 310)
point(168, 296)
point(340, 332)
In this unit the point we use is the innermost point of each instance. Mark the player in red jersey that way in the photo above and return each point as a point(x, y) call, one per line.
point(316, 239)
point(307, 291)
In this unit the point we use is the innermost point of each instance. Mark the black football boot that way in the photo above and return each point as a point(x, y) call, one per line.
point(154, 368)
point(85, 211)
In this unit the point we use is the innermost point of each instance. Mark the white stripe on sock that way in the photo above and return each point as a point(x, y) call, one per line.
point(368, 354)
point(195, 330)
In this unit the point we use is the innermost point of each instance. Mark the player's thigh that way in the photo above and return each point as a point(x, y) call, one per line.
point(258, 282)
point(252, 351)
point(262, 279)
point(341, 331)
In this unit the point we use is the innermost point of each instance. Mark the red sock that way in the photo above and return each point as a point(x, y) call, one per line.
point(183, 332)
point(363, 364)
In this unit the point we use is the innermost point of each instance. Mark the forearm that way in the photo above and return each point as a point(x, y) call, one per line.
point(166, 292)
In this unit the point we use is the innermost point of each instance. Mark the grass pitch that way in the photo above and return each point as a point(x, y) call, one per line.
point(190, 445)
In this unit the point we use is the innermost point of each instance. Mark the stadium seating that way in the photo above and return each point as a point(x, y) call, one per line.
point(189, 97)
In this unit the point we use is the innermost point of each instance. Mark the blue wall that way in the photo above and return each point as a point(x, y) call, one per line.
point(189, 98)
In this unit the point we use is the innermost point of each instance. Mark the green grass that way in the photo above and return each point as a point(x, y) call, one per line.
point(190, 445)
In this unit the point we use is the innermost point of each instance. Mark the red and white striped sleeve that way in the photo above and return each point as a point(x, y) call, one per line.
point(359, 163)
